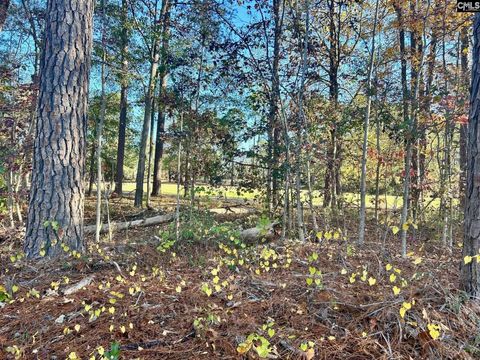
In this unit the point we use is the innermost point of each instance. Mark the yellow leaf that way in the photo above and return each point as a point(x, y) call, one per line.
point(178, 289)
point(123, 329)
point(417, 261)
point(405, 227)
point(244, 347)
point(77, 328)
point(395, 230)
point(393, 277)
point(372, 281)
point(310, 354)
point(403, 311)
point(343, 271)
point(434, 331)
point(467, 259)
point(388, 267)
point(396, 290)
point(407, 305)
point(101, 350)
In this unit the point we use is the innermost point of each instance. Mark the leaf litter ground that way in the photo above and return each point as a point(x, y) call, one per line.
point(308, 300)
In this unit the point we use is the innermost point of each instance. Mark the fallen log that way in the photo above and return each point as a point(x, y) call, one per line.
point(254, 234)
point(116, 226)
point(247, 235)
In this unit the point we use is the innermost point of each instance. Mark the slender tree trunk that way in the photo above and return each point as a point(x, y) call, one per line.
point(149, 93)
point(379, 161)
point(100, 124)
point(179, 164)
point(363, 177)
point(150, 151)
point(470, 271)
point(91, 171)
point(157, 164)
point(273, 126)
point(464, 126)
point(57, 192)
point(122, 125)
point(300, 127)
point(406, 120)
point(332, 185)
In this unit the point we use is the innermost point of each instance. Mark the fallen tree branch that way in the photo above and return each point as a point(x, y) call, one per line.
point(81, 284)
point(116, 226)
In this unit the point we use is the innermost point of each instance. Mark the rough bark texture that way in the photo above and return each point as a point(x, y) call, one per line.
point(470, 273)
point(57, 192)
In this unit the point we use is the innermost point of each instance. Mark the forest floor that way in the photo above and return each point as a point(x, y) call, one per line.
point(211, 296)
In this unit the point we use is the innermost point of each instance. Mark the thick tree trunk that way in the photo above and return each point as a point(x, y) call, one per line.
point(470, 272)
point(122, 125)
point(57, 192)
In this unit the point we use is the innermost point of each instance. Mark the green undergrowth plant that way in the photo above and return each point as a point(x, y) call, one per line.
point(199, 228)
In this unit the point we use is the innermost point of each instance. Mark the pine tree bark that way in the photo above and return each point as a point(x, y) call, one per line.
point(57, 192)
point(470, 272)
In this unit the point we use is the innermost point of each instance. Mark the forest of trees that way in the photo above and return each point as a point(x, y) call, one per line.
point(278, 125)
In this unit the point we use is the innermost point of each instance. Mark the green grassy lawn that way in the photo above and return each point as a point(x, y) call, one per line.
point(230, 192)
